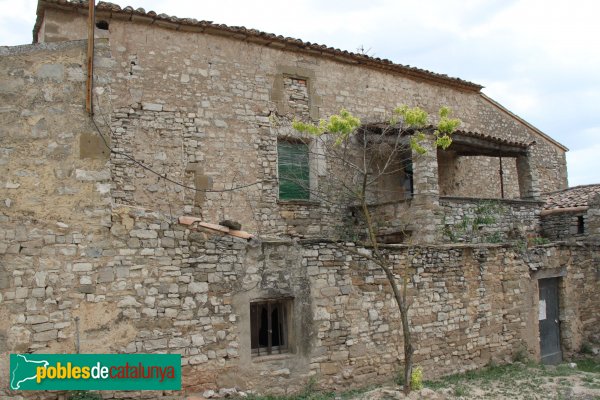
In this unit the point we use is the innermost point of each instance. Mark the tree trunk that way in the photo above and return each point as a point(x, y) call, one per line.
point(402, 306)
point(408, 350)
point(400, 298)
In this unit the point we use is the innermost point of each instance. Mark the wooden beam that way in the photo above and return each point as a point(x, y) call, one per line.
point(90, 57)
point(567, 210)
point(470, 146)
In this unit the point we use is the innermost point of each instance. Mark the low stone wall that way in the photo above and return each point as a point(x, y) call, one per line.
point(149, 285)
point(487, 220)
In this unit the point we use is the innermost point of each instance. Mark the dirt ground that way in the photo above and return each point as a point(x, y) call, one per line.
point(518, 381)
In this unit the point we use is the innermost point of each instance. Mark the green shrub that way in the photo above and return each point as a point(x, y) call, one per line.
point(538, 241)
point(521, 355)
point(416, 379)
point(586, 348)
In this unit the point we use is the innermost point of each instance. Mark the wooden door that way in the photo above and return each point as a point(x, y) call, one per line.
point(548, 321)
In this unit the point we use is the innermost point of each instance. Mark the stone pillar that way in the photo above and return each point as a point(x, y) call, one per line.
point(592, 230)
point(426, 194)
point(528, 178)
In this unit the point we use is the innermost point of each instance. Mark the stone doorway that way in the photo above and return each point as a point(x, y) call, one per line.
point(549, 323)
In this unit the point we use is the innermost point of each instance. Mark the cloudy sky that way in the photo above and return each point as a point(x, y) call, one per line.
point(540, 59)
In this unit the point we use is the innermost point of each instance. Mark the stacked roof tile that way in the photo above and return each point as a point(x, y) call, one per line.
point(243, 33)
point(578, 196)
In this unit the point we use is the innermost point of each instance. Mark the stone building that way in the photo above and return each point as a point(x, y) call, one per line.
point(571, 213)
point(90, 229)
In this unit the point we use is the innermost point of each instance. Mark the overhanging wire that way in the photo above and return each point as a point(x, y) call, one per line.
point(165, 177)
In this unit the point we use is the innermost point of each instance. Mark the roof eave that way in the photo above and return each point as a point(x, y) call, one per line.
point(266, 39)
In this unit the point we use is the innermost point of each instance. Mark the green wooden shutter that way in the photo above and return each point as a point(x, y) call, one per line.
point(294, 183)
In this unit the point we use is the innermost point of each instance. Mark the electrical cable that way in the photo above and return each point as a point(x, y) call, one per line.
point(165, 177)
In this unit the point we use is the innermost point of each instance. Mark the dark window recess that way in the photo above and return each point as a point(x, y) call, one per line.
point(102, 25)
point(408, 176)
point(293, 168)
point(269, 326)
point(580, 225)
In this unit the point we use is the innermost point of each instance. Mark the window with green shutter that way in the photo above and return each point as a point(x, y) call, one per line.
point(294, 183)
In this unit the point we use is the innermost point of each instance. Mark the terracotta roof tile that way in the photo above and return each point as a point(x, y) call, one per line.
point(491, 138)
point(197, 222)
point(253, 34)
point(578, 196)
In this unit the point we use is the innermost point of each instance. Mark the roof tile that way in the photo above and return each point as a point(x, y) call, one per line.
point(374, 61)
point(578, 196)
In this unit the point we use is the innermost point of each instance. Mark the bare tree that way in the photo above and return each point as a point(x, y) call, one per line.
point(366, 164)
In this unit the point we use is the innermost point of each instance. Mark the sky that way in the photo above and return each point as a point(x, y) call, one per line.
point(538, 58)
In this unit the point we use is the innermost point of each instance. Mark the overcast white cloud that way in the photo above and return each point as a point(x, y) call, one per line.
point(539, 58)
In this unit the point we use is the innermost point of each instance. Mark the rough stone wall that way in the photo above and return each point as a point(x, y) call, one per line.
point(148, 285)
point(491, 220)
point(296, 92)
point(59, 26)
point(456, 176)
point(593, 214)
point(198, 107)
point(459, 220)
point(562, 226)
point(585, 286)
point(576, 265)
point(54, 165)
point(457, 303)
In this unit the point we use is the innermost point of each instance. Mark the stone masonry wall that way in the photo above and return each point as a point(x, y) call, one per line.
point(461, 220)
point(54, 165)
point(456, 176)
point(488, 220)
point(198, 107)
point(593, 218)
point(577, 267)
point(150, 285)
point(578, 224)
point(562, 226)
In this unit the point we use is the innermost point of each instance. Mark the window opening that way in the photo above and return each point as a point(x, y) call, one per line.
point(408, 177)
point(296, 90)
point(580, 225)
point(102, 25)
point(293, 168)
point(269, 327)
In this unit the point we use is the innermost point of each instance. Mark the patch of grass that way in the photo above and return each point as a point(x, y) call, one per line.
point(564, 382)
point(522, 380)
point(355, 392)
point(591, 382)
point(316, 395)
point(588, 365)
point(461, 391)
point(524, 377)
point(560, 370)
point(538, 241)
point(484, 377)
point(310, 392)
point(586, 348)
point(435, 385)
